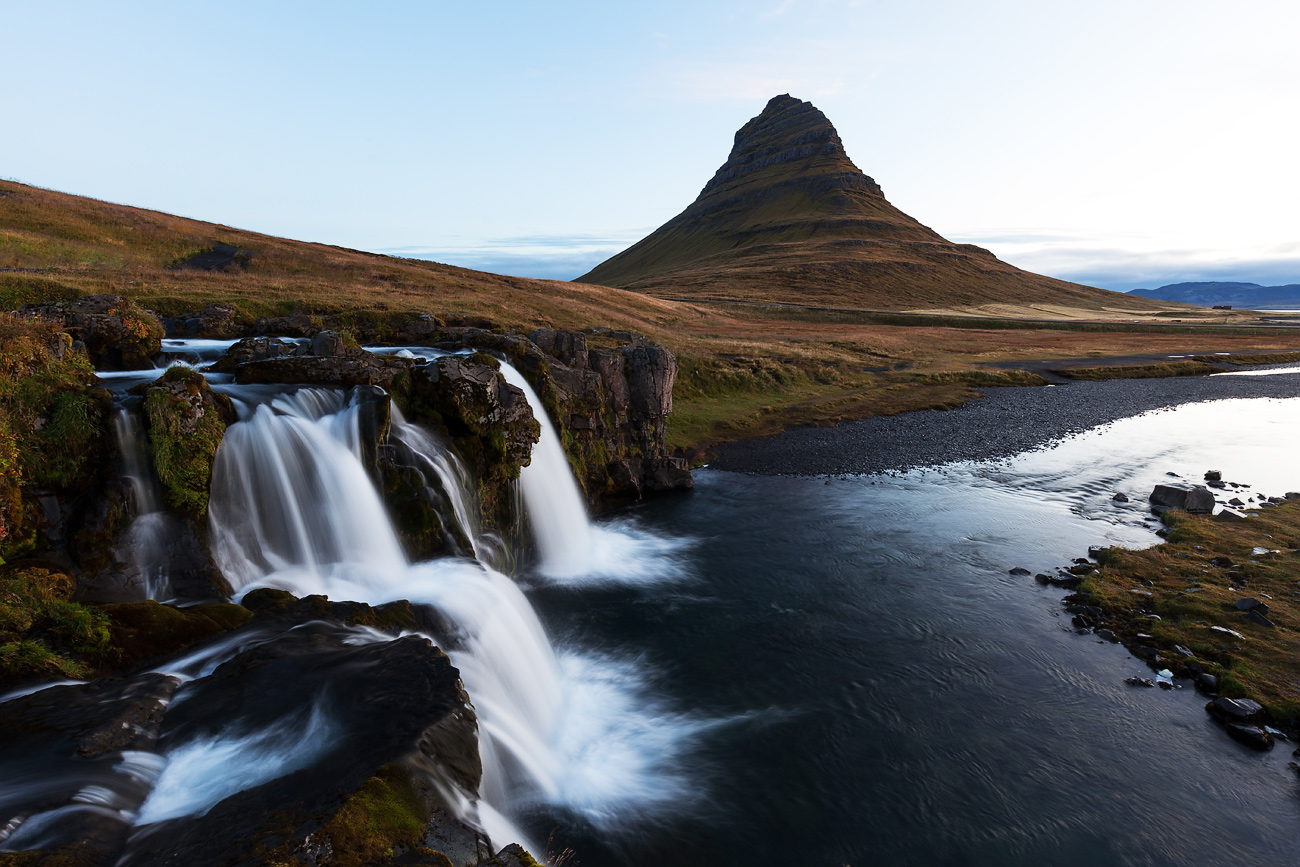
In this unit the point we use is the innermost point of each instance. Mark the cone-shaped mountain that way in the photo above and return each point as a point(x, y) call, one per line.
point(789, 218)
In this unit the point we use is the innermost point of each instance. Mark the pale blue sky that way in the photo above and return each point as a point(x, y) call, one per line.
point(1121, 142)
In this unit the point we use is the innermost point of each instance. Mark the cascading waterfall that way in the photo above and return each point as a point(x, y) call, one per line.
point(572, 549)
point(551, 495)
point(435, 459)
point(292, 508)
point(146, 539)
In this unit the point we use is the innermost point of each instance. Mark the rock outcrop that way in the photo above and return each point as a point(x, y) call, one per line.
point(369, 735)
point(789, 218)
point(116, 333)
point(610, 405)
point(331, 358)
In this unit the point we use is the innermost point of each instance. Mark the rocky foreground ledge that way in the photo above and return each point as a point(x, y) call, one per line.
point(385, 790)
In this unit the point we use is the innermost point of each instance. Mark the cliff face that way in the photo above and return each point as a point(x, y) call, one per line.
point(789, 218)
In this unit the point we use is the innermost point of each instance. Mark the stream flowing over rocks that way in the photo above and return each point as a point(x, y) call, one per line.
point(310, 646)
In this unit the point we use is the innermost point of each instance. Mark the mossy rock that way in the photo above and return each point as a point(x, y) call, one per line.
point(52, 425)
point(148, 630)
point(43, 633)
point(186, 422)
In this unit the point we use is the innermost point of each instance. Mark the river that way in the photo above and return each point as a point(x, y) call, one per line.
point(769, 670)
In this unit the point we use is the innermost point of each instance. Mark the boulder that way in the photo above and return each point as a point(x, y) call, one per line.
point(1195, 500)
point(117, 334)
point(214, 322)
point(253, 349)
point(1251, 736)
point(338, 364)
point(185, 420)
point(1242, 711)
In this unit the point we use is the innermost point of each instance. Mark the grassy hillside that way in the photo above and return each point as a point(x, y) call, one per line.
point(746, 369)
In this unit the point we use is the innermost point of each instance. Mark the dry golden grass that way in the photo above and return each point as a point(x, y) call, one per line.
point(813, 366)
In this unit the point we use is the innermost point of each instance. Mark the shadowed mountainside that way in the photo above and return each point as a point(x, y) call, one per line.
point(1207, 294)
point(789, 218)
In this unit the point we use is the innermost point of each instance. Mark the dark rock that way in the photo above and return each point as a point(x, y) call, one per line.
point(1134, 680)
point(1251, 736)
point(1019, 570)
point(1195, 500)
point(1249, 604)
point(1236, 501)
point(253, 349)
point(1107, 635)
point(1255, 617)
point(1220, 562)
point(390, 705)
point(214, 322)
point(1043, 578)
point(1120, 498)
point(117, 335)
point(1213, 476)
point(1241, 711)
point(361, 368)
point(1207, 682)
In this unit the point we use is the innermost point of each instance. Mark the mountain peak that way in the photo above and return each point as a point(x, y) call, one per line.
point(788, 130)
point(789, 218)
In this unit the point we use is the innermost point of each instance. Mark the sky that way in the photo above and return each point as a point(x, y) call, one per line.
point(1120, 143)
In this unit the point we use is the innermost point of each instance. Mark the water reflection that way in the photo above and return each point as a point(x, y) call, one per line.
point(898, 697)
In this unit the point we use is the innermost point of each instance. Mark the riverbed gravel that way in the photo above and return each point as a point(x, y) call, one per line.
point(1006, 421)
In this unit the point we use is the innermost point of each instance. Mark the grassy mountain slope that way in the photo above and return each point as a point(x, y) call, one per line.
point(789, 218)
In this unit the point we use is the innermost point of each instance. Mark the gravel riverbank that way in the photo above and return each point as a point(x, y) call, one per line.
point(1002, 423)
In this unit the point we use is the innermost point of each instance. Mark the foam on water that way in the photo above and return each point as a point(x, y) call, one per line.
point(201, 773)
point(293, 508)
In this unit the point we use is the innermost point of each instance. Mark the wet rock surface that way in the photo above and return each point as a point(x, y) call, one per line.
point(1002, 423)
point(354, 723)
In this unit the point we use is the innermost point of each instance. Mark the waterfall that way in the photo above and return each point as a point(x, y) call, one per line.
point(573, 550)
point(552, 497)
point(145, 542)
point(293, 508)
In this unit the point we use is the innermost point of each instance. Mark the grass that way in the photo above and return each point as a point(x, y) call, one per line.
point(776, 364)
point(1190, 594)
point(1138, 371)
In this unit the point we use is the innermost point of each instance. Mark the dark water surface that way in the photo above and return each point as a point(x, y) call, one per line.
point(860, 681)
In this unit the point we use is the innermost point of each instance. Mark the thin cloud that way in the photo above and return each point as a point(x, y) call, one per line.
point(1131, 261)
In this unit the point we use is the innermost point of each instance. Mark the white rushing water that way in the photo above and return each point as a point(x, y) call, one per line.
point(145, 544)
point(292, 507)
point(572, 549)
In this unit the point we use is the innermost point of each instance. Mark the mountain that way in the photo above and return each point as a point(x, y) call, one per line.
point(1252, 296)
point(789, 218)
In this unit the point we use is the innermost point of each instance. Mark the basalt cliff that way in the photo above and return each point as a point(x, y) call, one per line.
point(789, 218)
point(381, 739)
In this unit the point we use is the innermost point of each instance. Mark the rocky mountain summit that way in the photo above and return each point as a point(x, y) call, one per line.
point(789, 218)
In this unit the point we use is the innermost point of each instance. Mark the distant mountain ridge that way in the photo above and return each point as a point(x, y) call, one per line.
point(789, 218)
point(1208, 294)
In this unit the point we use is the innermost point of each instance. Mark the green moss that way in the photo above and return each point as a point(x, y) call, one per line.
point(143, 631)
point(386, 812)
point(43, 633)
point(51, 423)
point(185, 430)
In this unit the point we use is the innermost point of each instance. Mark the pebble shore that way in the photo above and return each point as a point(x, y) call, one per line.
point(1004, 422)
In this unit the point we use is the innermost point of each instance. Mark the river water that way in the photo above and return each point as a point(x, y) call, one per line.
point(848, 673)
point(769, 670)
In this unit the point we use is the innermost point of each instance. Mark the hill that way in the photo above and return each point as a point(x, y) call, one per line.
point(55, 245)
point(1207, 294)
point(789, 218)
